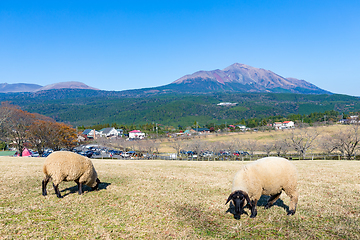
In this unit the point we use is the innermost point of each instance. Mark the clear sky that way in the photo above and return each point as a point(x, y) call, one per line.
point(120, 45)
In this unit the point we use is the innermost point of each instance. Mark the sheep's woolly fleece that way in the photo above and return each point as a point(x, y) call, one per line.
point(68, 166)
point(267, 176)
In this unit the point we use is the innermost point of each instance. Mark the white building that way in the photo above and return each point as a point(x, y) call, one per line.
point(109, 132)
point(284, 125)
point(136, 134)
point(288, 124)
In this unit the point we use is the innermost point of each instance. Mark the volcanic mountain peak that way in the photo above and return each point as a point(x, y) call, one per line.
point(241, 77)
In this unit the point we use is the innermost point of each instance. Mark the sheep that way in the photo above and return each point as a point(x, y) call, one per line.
point(266, 176)
point(68, 166)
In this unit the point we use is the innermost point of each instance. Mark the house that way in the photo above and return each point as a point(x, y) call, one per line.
point(201, 130)
point(242, 127)
point(354, 119)
point(81, 138)
point(344, 121)
point(288, 124)
point(136, 134)
point(108, 132)
point(120, 132)
point(350, 120)
point(277, 125)
point(90, 133)
point(284, 125)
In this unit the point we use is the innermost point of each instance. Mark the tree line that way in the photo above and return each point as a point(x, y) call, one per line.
point(21, 129)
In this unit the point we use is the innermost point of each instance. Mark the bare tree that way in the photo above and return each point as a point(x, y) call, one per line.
point(196, 146)
point(281, 146)
point(328, 144)
point(251, 146)
point(348, 141)
point(267, 148)
point(229, 146)
point(177, 145)
point(302, 140)
point(150, 146)
point(216, 147)
point(104, 142)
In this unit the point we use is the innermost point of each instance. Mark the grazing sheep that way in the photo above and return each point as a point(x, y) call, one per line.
point(68, 166)
point(266, 176)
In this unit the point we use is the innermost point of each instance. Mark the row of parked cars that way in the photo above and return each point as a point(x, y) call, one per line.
point(194, 154)
point(96, 152)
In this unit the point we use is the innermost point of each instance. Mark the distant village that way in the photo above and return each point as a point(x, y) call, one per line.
point(111, 132)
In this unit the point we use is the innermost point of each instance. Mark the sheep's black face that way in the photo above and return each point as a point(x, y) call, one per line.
point(97, 185)
point(238, 198)
point(239, 203)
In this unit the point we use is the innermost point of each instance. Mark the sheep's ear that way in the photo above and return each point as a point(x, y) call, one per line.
point(230, 197)
point(246, 196)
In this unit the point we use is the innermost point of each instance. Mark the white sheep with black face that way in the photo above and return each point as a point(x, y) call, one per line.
point(68, 166)
point(266, 176)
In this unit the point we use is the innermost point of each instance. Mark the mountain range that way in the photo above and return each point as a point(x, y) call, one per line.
point(235, 78)
point(25, 87)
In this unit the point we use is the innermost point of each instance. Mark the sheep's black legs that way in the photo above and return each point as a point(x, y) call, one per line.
point(57, 190)
point(272, 200)
point(80, 190)
point(43, 184)
point(253, 208)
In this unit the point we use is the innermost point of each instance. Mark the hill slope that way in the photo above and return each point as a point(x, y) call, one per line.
point(89, 107)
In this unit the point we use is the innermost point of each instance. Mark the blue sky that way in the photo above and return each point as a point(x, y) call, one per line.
point(120, 45)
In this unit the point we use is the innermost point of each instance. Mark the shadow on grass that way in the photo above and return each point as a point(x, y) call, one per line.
point(261, 203)
point(74, 189)
point(264, 199)
point(202, 221)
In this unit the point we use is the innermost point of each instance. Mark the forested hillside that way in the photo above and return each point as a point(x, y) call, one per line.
point(89, 107)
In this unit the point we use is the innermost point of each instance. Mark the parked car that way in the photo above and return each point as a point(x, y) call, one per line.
point(115, 152)
point(125, 155)
point(88, 153)
point(34, 153)
point(206, 154)
point(47, 153)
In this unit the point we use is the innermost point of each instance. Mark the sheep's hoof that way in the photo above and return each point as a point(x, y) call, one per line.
point(253, 215)
point(291, 212)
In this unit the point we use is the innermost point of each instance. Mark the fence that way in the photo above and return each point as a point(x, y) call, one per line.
point(184, 157)
point(253, 157)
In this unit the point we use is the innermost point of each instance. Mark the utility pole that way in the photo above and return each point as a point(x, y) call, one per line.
point(156, 130)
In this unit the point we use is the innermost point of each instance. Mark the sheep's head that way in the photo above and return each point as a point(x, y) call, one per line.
point(238, 197)
point(97, 185)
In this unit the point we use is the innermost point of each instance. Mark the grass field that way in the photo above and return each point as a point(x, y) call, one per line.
point(259, 136)
point(175, 200)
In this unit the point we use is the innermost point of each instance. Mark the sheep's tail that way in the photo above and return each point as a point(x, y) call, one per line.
point(45, 170)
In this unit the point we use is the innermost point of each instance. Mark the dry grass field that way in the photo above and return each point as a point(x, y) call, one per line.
point(259, 136)
point(174, 200)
